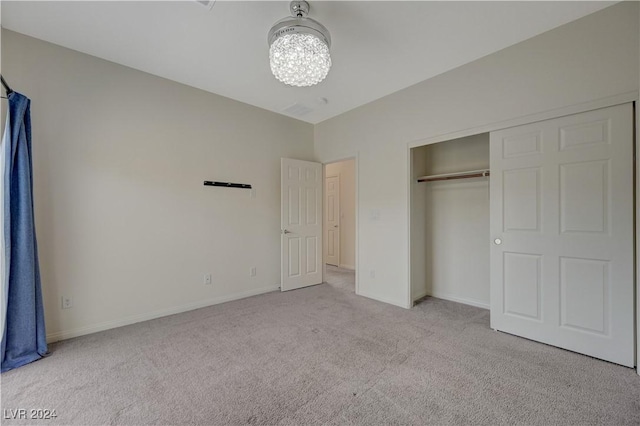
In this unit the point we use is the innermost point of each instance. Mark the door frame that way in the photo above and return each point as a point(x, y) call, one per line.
point(609, 101)
point(357, 205)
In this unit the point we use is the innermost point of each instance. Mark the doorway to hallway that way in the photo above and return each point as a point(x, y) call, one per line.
point(340, 214)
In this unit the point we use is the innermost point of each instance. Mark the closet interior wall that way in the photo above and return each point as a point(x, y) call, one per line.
point(450, 239)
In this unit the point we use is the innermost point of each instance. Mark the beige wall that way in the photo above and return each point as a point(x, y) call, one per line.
point(589, 59)
point(125, 225)
point(347, 172)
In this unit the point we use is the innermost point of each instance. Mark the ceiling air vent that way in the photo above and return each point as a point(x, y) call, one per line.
point(207, 4)
point(297, 110)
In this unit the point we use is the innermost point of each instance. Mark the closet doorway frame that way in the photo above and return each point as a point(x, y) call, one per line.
point(355, 159)
point(609, 101)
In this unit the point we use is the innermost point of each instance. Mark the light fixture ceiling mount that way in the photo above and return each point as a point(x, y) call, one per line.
point(299, 48)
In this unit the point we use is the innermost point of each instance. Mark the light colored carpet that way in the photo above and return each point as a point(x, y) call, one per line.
point(340, 278)
point(320, 355)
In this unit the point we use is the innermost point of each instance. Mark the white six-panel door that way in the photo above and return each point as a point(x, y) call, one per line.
point(301, 220)
point(332, 214)
point(562, 232)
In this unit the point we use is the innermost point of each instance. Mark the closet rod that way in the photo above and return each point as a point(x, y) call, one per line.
point(459, 175)
point(6, 86)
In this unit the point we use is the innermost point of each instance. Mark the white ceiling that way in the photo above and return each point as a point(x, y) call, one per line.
point(377, 47)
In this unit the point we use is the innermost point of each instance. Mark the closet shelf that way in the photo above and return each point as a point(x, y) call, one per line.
point(457, 175)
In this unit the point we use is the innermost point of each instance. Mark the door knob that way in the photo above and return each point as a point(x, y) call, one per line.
point(335, 226)
point(497, 241)
point(286, 232)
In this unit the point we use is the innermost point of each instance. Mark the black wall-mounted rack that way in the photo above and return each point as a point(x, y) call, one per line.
point(227, 184)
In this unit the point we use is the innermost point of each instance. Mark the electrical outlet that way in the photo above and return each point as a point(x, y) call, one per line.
point(252, 271)
point(67, 302)
point(252, 193)
point(207, 279)
point(372, 274)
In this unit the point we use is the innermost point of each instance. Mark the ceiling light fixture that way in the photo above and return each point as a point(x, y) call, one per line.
point(299, 48)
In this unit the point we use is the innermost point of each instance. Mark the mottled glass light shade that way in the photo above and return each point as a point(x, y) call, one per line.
point(299, 59)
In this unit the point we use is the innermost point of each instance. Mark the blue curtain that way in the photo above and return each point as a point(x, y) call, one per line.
point(23, 338)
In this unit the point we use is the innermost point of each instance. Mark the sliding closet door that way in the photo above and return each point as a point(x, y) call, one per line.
point(562, 232)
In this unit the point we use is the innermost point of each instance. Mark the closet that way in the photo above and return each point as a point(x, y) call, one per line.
point(450, 220)
point(536, 223)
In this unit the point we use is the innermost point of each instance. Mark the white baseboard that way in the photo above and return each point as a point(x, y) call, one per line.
point(68, 334)
point(351, 267)
point(464, 300)
point(420, 296)
point(383, 299)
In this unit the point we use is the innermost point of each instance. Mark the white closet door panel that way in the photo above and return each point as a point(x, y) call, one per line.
point(562, 230)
